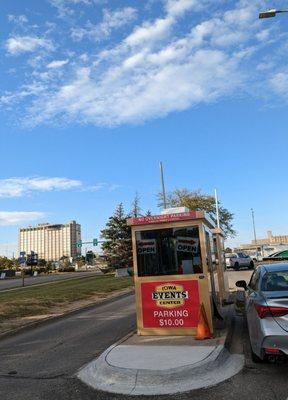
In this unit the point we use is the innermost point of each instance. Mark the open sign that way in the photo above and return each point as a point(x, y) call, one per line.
point(146, 246)
point(187, 244)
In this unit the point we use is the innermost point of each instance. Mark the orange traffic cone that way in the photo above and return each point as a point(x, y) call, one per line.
point(203, 330)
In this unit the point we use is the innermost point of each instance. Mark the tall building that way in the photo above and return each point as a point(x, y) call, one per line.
point(51, 241)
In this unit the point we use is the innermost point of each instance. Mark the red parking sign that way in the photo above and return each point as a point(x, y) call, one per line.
point(171, 304)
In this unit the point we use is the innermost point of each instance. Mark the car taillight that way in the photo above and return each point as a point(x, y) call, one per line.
point(265, 311)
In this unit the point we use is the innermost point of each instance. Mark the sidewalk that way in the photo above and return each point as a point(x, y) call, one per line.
point(146, 365)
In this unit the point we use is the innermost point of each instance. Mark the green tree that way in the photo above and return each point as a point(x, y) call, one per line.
point(196, 201)
point(117, 245)
point(42, 262)
point(80, 263)
point(136, 209)
point(66, 263)
point(49, 266)
point(6, 263)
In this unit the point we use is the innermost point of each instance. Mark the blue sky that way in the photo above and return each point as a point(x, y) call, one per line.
point(95, 93)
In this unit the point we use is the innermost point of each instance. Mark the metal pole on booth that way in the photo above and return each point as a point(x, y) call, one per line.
point(163, 185)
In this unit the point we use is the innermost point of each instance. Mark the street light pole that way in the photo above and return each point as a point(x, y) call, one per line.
point(163, 185)
point(217, 209)
point(254, 230)
point(271, 13)
point(253, 221)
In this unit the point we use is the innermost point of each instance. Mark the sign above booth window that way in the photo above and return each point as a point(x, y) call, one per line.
point(154, 219)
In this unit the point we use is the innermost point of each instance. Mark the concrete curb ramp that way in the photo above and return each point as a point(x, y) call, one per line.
point(208, 366)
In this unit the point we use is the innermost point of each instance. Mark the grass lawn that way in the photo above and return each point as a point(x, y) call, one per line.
point(38, 300)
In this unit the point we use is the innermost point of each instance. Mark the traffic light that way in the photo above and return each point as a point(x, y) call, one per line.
point(95, 242)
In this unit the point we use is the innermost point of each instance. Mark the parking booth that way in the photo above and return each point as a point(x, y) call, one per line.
point(172, 256)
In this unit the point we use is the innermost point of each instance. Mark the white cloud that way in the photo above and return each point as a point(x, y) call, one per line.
point(149, 32)
point(179, 7)
point(16, 187)
point(64, 6)
point(57, 63)
point(19, 217)
point(17, 19)
point(279, 83)
point(162, 65)
point(22, 44)
point(111, 20)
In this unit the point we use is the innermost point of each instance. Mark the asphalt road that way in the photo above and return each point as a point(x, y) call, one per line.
point(234, 276)
point(41, 363)
point(31, 280)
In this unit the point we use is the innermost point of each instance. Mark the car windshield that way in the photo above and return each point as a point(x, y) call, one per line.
point(275, 281)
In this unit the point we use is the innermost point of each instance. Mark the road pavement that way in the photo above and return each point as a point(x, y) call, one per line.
point(41, 364)
point(31, 280)
point(234, 276)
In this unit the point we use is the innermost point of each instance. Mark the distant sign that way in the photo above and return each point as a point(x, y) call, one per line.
point(187, 244)
point(3, 275)
point(146, 246)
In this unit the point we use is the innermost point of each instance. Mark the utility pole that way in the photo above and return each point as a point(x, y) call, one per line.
point(163, 185)
point(254, 230)
point(217, 209)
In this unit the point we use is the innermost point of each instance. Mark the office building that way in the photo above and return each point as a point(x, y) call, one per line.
point(51, 241)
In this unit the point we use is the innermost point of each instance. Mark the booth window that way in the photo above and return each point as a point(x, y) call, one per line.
point(170, 251)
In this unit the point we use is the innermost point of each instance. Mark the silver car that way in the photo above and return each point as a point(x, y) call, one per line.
point(238, 260)
point(266, 305)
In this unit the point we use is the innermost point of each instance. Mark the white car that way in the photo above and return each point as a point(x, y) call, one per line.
point(238, 260)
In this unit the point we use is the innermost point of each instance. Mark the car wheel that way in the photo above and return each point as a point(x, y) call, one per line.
point(236, 266)
point(251, 266)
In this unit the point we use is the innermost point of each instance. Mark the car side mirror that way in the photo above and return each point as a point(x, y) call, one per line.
point(242, 284)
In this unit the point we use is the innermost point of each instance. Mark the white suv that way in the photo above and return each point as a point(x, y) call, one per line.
point(238, 260)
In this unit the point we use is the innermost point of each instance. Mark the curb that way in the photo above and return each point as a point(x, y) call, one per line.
point(53, 318)
point(219, 366)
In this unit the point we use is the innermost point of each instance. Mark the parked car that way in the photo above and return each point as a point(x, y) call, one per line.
point(279, 256)
point(266, 308)
point(238, 260)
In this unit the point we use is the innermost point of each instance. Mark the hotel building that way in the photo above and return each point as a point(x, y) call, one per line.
point(51, 241)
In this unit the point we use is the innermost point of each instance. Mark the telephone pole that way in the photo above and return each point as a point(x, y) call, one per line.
point(163, 185)
point(254, 230)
